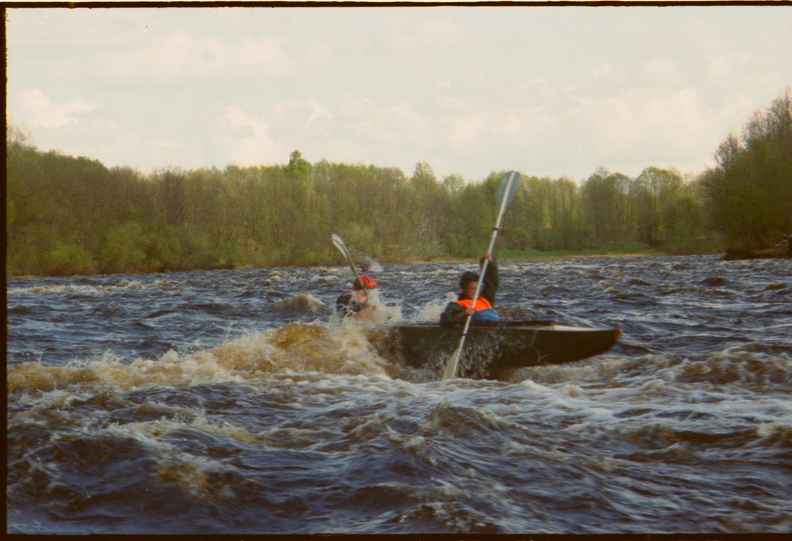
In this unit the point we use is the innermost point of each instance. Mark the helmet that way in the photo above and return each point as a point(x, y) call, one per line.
point(368, 282)
point(467, 278)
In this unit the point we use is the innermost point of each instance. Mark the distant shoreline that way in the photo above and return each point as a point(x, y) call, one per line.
point(510, 257)
point(538, 256)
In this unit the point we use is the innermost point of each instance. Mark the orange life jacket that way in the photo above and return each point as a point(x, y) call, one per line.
point(481, 303)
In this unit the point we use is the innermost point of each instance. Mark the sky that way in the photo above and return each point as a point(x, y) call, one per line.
point(548, 91)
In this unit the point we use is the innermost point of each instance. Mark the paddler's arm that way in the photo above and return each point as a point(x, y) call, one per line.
point(454, 314)
point(491, 280)
point(347, 304)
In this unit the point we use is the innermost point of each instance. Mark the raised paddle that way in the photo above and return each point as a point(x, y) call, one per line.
point(339, 243)
point(508, 187)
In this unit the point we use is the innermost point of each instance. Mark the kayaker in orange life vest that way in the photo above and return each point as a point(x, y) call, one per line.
point(456, 312)
point(355, 303)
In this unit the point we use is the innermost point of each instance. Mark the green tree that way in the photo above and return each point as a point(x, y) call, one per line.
point(298, 166)
point(605, 204)
point(67, 259)
point(749, 190)
point(123, 249)
point(655, 192)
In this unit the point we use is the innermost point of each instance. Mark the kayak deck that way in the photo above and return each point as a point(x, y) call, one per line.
point(493, 347)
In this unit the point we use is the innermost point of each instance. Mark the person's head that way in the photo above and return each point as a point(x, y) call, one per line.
point(368, 282)
point(468, 284)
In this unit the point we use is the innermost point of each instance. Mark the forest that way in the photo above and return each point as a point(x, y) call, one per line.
point(72, 215)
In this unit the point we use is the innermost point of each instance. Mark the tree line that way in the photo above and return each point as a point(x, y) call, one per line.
point(73, 215)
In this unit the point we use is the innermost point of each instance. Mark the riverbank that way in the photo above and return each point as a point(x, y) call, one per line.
point(504, 255)
point(615, 251)
point(584, 254)
point(776, 252)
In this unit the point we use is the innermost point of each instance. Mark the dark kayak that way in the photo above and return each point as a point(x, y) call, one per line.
point(492, 349)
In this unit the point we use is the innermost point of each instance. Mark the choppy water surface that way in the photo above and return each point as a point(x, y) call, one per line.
point(234, 402)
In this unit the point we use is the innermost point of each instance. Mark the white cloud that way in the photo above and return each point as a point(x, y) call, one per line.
point(393, 125)
point(37, 110)
point(727, 66)
point(600, 70)
point(641, 122)
point(363, 118)
point(303, 113)
point(662, 71)
point(179, 58)
point(734, 107)
point(322, 54)
point(405, 36)
point(262, 56)
point(247, 140)
point(454, 103)
point(465, 132)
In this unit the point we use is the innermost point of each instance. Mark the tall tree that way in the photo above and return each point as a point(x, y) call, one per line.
point(749, 190)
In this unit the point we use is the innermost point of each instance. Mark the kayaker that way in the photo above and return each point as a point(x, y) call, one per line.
point(456, 312)
point(355, 303)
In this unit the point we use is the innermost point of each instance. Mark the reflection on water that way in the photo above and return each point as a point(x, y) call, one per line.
point(236, 402)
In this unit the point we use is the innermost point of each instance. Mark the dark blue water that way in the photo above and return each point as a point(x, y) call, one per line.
point(235, 402)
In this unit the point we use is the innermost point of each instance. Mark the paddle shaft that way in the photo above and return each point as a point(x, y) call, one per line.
point(453, 362)
point(357, 277)
point(339, 243)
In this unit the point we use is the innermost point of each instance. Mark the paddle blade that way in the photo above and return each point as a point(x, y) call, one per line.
point(339, 243)
point(508, 188)
point(453, 362)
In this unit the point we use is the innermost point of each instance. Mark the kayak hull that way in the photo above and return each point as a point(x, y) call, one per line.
point(493, 348)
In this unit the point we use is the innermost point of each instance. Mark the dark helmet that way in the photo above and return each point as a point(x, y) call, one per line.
point(368, 281)
point(467, 278)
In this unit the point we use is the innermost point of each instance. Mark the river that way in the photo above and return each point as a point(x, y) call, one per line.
point(235, 402)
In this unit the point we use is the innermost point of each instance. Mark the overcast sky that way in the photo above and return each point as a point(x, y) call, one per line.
point(555, 91)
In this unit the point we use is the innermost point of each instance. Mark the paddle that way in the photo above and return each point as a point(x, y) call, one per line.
point(508, 187)
point(339, 243)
